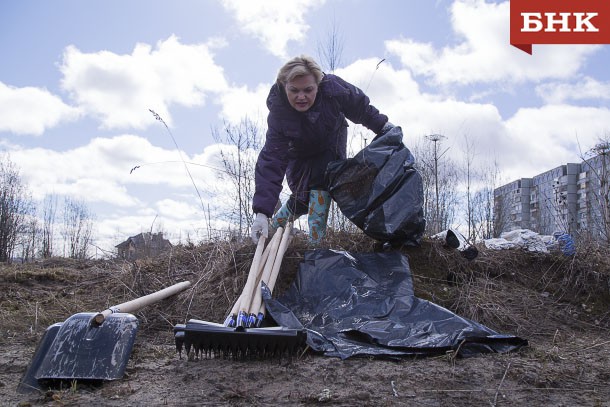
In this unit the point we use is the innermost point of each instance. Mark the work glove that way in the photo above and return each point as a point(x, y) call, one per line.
point(260, 227)
point(282, 216)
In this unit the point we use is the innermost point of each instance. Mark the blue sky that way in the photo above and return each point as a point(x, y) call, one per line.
point(77, 79)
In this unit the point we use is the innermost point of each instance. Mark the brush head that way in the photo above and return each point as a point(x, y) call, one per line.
point(201, 339)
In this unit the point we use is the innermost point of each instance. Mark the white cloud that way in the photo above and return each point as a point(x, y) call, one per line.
point(484, 53)
point(396, 94)
point(103, 170)
point(133, 182)
point(32, 110)
point(532, 141)
point(380, 81)
point(85, 173)
point(119, 89)
point(539, 139)
point(586, 88)
point(273, 22)
point(239, 103)
point(179, 210)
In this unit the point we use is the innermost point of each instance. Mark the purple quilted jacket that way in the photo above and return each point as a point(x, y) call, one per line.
point(299, 145)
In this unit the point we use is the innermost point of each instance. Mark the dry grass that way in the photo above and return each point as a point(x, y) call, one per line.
point(561, 305)
point(511, 291)
point(518, 291)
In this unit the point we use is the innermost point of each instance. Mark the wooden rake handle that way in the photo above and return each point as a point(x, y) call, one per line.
point(138, 303)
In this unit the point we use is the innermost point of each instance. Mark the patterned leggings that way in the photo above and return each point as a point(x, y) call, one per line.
point(317, 215)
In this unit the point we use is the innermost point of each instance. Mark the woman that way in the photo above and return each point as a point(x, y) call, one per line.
point(306, 130)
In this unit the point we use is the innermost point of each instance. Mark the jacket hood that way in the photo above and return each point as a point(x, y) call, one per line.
point(277, 96)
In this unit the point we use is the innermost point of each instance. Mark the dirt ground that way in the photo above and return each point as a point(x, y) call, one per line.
point(560, 305)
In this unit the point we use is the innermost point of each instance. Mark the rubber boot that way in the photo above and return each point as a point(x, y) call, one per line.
point(282, 216)
point(319, 205)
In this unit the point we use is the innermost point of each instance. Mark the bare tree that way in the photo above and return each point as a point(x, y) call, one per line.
point(448, 195)
point(15, 206)
point(48, 217)
point(28, 240)
point(469, 180)
point(483, 213)
point(440, 178)
point(596, 164)
point(77, 230)
point(501, 214)
point(330, 50)
point(239, 164)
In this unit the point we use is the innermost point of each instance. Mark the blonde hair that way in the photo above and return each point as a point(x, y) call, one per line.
point(299, 66)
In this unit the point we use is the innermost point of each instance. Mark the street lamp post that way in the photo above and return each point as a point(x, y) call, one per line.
point(435, 138)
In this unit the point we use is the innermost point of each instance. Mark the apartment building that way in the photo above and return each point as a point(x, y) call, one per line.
point(569, 198)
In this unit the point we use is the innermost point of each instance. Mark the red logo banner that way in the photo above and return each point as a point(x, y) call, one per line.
point(559, 22)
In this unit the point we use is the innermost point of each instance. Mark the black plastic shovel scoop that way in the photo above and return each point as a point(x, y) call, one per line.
point(90, 345)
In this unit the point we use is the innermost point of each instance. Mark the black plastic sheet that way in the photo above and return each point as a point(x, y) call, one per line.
point(363, 304)
point(380, 191)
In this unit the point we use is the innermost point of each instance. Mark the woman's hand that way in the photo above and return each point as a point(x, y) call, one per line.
point(386, 127)
point(260, 227)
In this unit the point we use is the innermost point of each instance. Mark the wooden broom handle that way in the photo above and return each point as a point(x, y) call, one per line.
point(266, 272)
point(252, 277)
point(277, 263)
point(242, 302)
point(259, 274)
point(280, 256)
point(138, 303)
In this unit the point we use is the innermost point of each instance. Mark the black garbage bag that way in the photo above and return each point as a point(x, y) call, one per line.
point(363, 304)
point(380, 191)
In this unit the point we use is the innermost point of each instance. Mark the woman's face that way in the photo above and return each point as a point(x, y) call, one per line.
point(301, 92)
